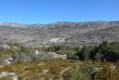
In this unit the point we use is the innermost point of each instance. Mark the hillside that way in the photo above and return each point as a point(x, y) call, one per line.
point(60, 33)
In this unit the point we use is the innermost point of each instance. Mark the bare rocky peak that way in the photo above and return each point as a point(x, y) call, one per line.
point(60, 33)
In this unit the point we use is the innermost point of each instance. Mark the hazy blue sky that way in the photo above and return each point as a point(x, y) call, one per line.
point(48, 11)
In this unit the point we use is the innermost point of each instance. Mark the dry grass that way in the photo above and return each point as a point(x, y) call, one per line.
point(34, 71)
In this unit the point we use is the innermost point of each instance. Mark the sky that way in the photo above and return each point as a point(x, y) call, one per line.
point(49, 11)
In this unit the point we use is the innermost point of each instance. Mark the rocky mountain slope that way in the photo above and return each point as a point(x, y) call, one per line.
point(60, 33)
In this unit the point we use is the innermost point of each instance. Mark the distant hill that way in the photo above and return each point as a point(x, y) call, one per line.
point(60, 33)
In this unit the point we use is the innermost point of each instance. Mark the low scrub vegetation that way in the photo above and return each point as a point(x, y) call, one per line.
point(97, 62)
point(104, 51)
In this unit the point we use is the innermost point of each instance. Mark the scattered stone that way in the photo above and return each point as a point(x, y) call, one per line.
point(45, 71)
point(66, 69)
point(36, 52)
point(13, 74)
point(98, 68)
point(8, 60)
point(113, 66)
point(41, 64)
point(16, 48)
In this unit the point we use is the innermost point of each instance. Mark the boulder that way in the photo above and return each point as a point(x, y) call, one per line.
point(49, 55)
point(4, 46)
point(55, 55)
point(8, 60)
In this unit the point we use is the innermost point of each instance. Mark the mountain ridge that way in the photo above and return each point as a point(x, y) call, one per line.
point(60, 33)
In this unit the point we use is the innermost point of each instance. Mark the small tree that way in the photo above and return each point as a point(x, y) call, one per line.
point(85, 53)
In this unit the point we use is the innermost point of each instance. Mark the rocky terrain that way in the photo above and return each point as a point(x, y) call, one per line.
point(96, 62)
point(60, 33)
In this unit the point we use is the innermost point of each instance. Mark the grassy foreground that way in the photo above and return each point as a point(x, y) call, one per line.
point(63, 69)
